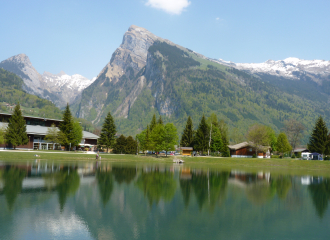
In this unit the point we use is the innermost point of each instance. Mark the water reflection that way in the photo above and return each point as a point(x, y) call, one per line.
point(320, 192)
point(105, 184)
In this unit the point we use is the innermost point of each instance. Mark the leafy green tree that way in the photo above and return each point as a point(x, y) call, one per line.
point(153, 122)
point(2, 135)
point(66, 135)
point(16, 130)
point(108, 132)
point(258, 137)
point(283, 144)
point(120, 145)
point(202, 136)
point(216, 140)
point(272, 138)
point(187, 138)
point(225, 139)
point(157, 138)
point(170, 137)
point(77, 133)
point(318, 141)
point(52, 134)
point(144, 140)
point(131, 145)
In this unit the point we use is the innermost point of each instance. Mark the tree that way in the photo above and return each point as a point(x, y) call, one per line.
point(294, 130)
point(187, 138)
point(157, 138)
point(272, 138)
point(16, 130)
point(144, 139)
point(202, 136)
point(52, 134)
point(153, 122)
point(216, 140)
point(318, 140)
point(131, 145)
point(283, 144)
point(119, 146)
point(170, 137)
point(108, 132)
point(258, 137)
point(66, 135)
point(160, 120)
point(224, 136)
point(77, 133)
point(2, 135)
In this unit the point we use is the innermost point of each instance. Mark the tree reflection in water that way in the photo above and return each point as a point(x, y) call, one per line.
point(124, 174)
point(12, 180)
point(209, 188)
point(66, 182)
point(157, 185)
point(105, 183)
point(320, 193)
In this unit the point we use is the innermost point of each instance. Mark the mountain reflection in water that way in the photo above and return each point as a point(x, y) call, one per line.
point(102, 196)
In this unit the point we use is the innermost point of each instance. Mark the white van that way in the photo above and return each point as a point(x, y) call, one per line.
point(306, 156)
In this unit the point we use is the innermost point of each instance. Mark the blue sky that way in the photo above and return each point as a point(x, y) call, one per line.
point(79, 36)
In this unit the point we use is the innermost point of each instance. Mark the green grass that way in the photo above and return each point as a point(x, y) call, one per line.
point(275, 166)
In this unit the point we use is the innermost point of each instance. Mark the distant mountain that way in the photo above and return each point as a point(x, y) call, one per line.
point(11, 92)
point(60, 88)
point(148, 74)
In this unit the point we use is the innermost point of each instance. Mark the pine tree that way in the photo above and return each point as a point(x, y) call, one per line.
point(120, 145)
point(108, 132)
point(131, 145)
point(160, 120)
point(187, 139)
point(153, 123)
point(318, 141)
point(216, 141)
point(16, 130)
point(66, 135)
point(202, 136)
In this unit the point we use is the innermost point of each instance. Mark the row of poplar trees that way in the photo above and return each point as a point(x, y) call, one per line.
point(211, 135)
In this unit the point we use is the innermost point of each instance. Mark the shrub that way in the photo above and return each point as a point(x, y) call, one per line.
point(327, 158)
point(254, 156)
point(275, 156)
point(293, 156)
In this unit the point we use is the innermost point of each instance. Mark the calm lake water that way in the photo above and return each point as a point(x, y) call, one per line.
point(111, 201)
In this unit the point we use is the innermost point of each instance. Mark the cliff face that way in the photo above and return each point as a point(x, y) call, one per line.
point(58, 88)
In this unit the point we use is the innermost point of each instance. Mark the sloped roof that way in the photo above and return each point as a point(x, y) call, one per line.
point(242, 145)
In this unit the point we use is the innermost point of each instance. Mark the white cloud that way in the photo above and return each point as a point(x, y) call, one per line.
point(217, 19)
point(169, 6)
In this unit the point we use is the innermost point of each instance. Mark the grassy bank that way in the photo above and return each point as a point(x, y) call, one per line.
point(280, 166)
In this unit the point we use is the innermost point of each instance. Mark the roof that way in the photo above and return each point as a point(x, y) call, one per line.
point(42, 118)
point(41, 130)
point(242, 145)
point(300, 149)
point(186, 148)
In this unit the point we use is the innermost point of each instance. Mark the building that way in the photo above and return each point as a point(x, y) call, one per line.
point(36, 129)
point(246, 150)
point(186, 151)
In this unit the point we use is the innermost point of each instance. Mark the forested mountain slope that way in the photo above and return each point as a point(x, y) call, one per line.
point(11, 92)
point(148, 75)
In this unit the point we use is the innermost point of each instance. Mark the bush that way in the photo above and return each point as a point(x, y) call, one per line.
point(254, 156)
point(275, 156)
point(327, 158)
point(293, 156)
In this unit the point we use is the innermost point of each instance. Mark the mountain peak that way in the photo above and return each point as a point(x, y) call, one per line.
point(21, 58)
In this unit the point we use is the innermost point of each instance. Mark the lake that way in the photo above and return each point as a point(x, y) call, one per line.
point(46, 200)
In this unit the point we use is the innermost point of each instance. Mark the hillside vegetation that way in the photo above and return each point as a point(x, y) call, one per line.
point(11, 93)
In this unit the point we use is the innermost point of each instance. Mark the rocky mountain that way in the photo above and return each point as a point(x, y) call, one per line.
point(148, 74)
point(58, 88)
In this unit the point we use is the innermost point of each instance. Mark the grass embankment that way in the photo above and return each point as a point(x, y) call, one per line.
point(275, 166)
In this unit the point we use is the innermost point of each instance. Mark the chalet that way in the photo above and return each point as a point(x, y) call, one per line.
point(186, 151)
point(246, 150)
point(36, 129)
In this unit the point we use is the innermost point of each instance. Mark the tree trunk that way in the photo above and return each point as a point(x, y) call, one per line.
point(166, 153)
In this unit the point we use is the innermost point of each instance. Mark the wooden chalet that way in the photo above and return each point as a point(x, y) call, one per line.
point(246, 150)
point(186, 151)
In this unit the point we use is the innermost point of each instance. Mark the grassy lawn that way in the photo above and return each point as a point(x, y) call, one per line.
point(275, 166)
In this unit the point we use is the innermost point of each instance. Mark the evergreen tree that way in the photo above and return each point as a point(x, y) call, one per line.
point(225, 141)
point(216, 140)
point(160, 120)
point(202, 136)
point(131, 145)
point(153, 123)
point(108, 132)
point(66, 135)
point(282, 144)
point(16, 130)
point(318, 141)
point(120, 145)
point(187, 139)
